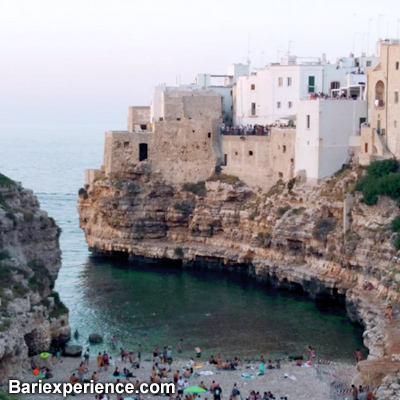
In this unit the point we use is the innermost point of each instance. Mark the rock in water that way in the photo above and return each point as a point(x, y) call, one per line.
point(95, 338)
point(72, 350)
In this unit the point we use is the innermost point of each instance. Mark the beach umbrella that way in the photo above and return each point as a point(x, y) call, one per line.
point(195, 389)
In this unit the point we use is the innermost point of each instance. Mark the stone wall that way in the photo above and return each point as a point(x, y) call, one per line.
point(260, 161)
point(183, 147)
point(138, 119)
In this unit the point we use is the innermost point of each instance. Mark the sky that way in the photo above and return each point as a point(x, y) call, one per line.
point(84, 62)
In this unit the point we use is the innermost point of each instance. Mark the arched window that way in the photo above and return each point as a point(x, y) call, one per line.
point(379, 90)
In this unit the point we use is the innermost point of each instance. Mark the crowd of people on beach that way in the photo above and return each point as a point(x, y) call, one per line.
point(124, 367)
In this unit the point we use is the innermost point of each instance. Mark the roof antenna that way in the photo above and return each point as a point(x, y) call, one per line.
point(248, 50)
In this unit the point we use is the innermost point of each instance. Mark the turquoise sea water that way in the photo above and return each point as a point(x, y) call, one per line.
point(219, 312)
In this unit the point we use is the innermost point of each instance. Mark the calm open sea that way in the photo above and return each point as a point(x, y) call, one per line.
point(220, 313)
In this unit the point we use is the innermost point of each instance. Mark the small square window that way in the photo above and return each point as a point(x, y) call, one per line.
point(280, 81)
point(396, 96)
point(253, 86)
point(395, 124)
point(289, 81)
point(368, 63)
point(397, 65)
point(278, 104)
point(290, 104)
point(250, 153)
point(284, 148)
point(308, 122)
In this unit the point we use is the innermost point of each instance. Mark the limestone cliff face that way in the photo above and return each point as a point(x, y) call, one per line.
point(31, 314)
point(321, 239)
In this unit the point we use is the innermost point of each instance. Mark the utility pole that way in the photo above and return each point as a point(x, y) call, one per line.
point(379, 25)
point(369, 32)
point(288, 47)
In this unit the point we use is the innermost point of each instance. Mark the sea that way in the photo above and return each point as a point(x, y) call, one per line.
point(156, 305)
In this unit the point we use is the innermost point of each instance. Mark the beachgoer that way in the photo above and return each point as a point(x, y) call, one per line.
point(235, 392)
point(139, 351)
point(359, 355)
point(116, 372)
point(95, 376)
point(155, 354)
point(169, 357)
point(179, 346)
point(73, 378)
point(100, 362)
point(86, 357)
point(180, 385)
point(197, 350)
point(81, 372)
point(261, 367)
point(48, 374)
point(217, 392)
point(105, 361)
point(76, 334)
point(354, 392)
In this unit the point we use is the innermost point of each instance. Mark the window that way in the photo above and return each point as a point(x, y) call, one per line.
point(289, 104)
point(395, 124)
point(253, 109)
point(253, 86)
point(225, 159)
point(368, 63)
point(397, 65)
point(311, 84)
point(250, 153)
point(280, 81)
point(335, 85)
point(209, 134)
point(284, 148)
point(278, 104)
point(396, 96)
point(289, 81)
point(308, 122)
point(366, 148)
point(126, 144)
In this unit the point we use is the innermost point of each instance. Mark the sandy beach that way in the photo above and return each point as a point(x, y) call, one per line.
point(304, 383)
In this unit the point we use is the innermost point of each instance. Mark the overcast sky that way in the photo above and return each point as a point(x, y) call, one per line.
point(83, 62)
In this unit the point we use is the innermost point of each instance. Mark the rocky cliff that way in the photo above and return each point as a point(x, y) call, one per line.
point(323, 240)
point(31, 313)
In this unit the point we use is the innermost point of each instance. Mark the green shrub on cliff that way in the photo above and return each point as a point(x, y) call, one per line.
point(383, 178)
point(5, 181)
point(395, 225)
point(186, 207)
point(198, 188)
point(230, 179)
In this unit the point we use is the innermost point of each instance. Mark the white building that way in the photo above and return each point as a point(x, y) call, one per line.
point(324, 131)
point(271, 94)
point(221, 84)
